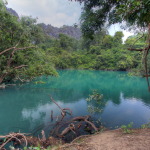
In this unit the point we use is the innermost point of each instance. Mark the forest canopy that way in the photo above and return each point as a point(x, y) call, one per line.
point(134, 14)
point(98, 13)
point(27, 51)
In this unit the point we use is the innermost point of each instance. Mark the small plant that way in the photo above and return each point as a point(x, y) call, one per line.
point(95, 96)
point(145, 126)
point(127, 128)
point(93, 109)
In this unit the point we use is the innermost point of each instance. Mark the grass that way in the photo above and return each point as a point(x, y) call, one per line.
point(127, 128)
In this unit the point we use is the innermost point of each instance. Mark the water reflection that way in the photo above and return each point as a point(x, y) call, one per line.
point(125, 100)
point(43, 112)
point(130, 110)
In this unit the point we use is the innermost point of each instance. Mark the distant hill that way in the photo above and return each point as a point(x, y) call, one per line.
point(52, 31)
point(68, 30)
point(13, 12)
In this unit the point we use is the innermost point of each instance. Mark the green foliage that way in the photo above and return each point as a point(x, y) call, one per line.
point(41, 148)
point(145, 126)
point(127, 128)
point(104, 52)
point(95, 14)
point(134, 14)
point(21, 35)
point(95, 96)
point(95, 102)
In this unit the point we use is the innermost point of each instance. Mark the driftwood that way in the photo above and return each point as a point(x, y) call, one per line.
point(85, 118)
point(17, 138)
point(23, 139)
point(63, 128)
point(72, 125)
point(64, 111)
point(52, 118)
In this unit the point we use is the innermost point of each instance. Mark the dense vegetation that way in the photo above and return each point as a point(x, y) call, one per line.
point(98, 13)
point(20, 58)
point(133, 14)
point(26, 51)
point(105, 52)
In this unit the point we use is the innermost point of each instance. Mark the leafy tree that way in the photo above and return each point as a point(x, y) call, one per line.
point(98, 12)
point(118, 38)
point(67, 42)
point(135, 13)
point(107, 42)
point(136, 41)
point(19, 57)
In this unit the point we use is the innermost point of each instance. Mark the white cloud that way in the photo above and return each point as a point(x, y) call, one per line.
point(114, 28)
point(55, 12)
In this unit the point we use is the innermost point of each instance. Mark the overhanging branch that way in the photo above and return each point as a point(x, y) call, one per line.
point(21, 66)
point(6, 50)
point(134, 49)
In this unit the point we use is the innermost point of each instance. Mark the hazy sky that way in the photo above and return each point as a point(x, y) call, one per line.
point(54, 12)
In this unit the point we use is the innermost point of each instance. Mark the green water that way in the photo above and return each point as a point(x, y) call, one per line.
point(125, 99)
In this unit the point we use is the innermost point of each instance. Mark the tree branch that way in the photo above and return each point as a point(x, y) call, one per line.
point(21, 66)
point(12, 54)
point(25, 48)
point(6, 50)
point(146, 75)
point(134, 49)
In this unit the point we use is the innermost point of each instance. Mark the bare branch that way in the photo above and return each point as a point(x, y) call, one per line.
point(134, 49)
point(146, 75)
point(12, 54)
point(6, 50)
point(21, 66)
point(25, 48)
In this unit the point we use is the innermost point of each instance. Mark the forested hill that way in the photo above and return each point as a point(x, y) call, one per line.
point(13, 12)
point(72, 31)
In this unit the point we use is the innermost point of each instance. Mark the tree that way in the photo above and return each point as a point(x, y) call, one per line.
point(135, 13)
point(19, 56)
point(117, 40)
point(97, 13)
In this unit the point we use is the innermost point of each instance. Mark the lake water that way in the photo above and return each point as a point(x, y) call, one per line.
point(125, 99)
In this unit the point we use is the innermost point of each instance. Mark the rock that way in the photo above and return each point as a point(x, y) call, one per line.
point(2, 86)
point(52, 31)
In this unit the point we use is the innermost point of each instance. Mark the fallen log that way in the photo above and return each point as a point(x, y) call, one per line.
point(71, 127)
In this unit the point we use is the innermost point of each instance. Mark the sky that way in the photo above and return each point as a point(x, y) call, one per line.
point(54, 12)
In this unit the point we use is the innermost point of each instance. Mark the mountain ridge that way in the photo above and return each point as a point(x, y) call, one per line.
point(72, 31)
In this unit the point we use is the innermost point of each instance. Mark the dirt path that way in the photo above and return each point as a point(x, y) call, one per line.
point(114, 140)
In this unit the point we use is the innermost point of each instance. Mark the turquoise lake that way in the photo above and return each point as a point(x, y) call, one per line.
point(125, 99)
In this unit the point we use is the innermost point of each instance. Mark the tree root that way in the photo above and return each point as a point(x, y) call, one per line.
point(16, 138)
point(62, 130)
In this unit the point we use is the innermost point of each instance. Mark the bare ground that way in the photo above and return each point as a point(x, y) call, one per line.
point(113, 140)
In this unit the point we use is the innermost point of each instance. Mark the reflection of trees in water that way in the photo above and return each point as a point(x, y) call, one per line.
point(94, 101)
point(72, 85)
point(94, 107)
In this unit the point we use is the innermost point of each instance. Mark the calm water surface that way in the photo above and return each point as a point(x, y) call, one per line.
point(125, 99)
